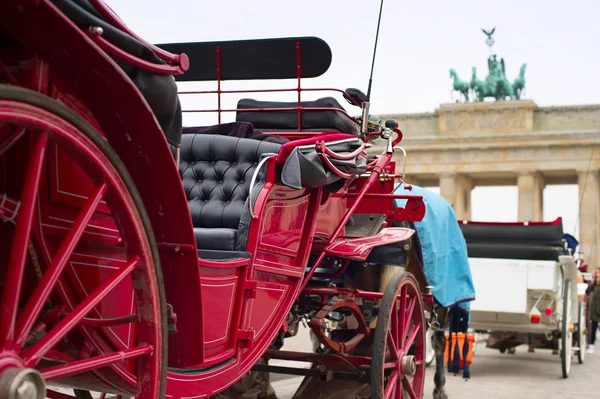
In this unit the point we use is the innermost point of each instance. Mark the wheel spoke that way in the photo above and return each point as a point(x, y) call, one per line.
point(401, 312)
point(43, 290)
point(406, 385)
point(407, 318)
point(10, 140)
point(391, 386)
point(34, 354)
point(81, 366)
point(392, 346)
point(394, 322)
point(412, 336)
point(20, 242)
point(115, 321)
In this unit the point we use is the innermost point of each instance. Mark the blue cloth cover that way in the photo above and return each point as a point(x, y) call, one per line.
point(445, 259)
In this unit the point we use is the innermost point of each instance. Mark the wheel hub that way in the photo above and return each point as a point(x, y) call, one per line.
point(16, 383)
point(409, 365)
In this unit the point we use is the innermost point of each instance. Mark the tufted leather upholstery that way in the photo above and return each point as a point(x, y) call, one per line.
point(216, 171)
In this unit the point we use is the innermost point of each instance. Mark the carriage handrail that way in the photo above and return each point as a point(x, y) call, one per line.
point(253, 182)
point(276, 110)
point(403, 160)
point(266, 91)
point(114, 20)
point(95, 32)
point(298, 108)
point(322, 149)
point(299, 89)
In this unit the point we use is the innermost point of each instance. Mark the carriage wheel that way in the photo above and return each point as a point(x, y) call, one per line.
point(566, 354)
point(398, 365)
point(581, 335)
point(34, 351)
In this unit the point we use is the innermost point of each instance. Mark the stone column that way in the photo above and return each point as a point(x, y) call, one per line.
point(448, 187)
point(531, 196)
point(589, 216)
point(463, 197)
point(456, 189)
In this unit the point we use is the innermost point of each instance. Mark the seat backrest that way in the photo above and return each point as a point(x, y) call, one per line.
point(216, 171)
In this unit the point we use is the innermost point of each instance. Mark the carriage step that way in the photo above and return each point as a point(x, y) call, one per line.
point(359, 248)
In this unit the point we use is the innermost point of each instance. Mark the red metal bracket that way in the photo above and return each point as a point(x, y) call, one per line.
point(414, 211)
point(251, 288)
point(246, 338)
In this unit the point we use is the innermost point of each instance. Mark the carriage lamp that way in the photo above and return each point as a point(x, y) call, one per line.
point(535, 316)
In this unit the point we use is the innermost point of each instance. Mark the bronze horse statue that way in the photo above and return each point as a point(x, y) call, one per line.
point(459, 85)
point(519, 83)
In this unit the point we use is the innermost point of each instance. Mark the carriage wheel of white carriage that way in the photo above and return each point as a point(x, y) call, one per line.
point(581, 334)
point(566, 354)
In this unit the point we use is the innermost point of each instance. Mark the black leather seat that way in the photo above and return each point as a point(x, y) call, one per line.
point(288, 120)
point(216, 171)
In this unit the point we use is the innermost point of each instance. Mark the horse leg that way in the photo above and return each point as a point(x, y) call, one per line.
point(439, 345)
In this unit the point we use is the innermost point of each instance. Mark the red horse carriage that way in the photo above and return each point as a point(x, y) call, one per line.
point(109, 285)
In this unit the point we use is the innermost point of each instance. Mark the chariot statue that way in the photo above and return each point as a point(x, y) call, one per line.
point(496, 84)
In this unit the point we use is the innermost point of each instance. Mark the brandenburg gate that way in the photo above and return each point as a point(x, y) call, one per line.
point(461, 146)
point(509, 141)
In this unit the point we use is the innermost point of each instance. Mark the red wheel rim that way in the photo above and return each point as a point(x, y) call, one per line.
point(28, 341)
point(399, 354)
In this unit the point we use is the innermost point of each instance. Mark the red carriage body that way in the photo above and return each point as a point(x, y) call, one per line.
point(109, 285)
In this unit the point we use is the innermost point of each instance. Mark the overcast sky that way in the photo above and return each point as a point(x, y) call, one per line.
point(419, 42)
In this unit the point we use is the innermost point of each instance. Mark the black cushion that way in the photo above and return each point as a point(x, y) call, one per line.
point(216, 238)
point(288, 120)
point(216, 172)
point(222, 256)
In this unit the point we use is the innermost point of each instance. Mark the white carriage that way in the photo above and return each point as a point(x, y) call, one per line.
point(529, 289)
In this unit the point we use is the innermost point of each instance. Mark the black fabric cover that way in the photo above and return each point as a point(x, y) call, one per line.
point(389, 254)
point(547, 234)
point(514, 241)
point(394, 254)
point(355, 96)
point(325, 120)
point(216, 172)
point(160, 91)
point(514, 251)
point(304, 168)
